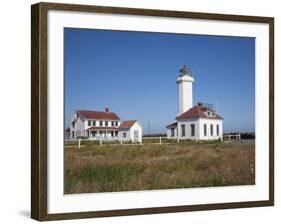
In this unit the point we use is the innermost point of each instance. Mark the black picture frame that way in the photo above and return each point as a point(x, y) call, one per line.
point(39, 105)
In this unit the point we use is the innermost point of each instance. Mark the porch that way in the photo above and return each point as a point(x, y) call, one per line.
point(105, 133)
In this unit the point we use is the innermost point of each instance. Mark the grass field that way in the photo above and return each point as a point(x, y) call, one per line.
point(114, 168)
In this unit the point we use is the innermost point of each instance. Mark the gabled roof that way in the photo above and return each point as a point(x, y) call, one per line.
point(127, 124)
point(173, 125)
point(98, 115)
point(198, 111)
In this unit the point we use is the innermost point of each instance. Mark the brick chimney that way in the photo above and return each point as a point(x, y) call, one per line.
point(106, 109)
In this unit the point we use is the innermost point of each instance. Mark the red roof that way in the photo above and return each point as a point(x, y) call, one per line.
point(103, 128)
point(98, 115)
point(127, 124)
point(198, 111)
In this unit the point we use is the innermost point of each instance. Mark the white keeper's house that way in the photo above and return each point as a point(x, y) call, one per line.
point(104, 125)
point(196, 122)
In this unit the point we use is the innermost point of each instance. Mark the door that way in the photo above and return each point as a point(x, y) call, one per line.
point(136, 136)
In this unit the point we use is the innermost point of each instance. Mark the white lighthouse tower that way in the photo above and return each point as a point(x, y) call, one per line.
point(195, 122)
point(185, 82)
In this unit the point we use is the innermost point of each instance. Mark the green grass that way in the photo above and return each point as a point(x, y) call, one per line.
point(145, 167)
point(105, 177)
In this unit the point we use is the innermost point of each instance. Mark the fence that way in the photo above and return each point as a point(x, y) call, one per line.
point(145, 140)
point(100, 142)
point(231, 136)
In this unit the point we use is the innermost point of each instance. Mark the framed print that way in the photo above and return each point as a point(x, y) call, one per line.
point(140, 111)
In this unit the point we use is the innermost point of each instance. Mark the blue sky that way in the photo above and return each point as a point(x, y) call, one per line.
point(134, 74)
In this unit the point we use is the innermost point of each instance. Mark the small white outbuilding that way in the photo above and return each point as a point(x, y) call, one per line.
point(130, 130)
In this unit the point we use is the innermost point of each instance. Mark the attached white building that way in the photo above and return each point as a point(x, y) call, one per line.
point(104, 125)
point(199, 122)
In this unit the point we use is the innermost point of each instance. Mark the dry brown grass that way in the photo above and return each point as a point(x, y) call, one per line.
point(146, 167)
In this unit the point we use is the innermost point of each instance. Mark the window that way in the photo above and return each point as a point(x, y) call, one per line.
point(89, 123)
point(73, 124)
point(112, 123)
point(116, 123)
point(192, 129)
point(106, 123)
point(116, 133)
point(124, 134)
point(101, 123)
point(218, 130)
point(182, 130)
point(172, 132)
point(112, 133)
point(210, 114)
point(94, 133)
point(211, 130)
point(94, 123)
point(205, 130)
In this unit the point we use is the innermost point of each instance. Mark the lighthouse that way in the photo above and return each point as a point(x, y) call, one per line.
point(195, 122)
point(185, 82)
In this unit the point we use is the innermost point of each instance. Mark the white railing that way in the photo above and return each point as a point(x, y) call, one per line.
point(100, 140)
point(105, 138)
point(231, 136)
point(158, 140)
